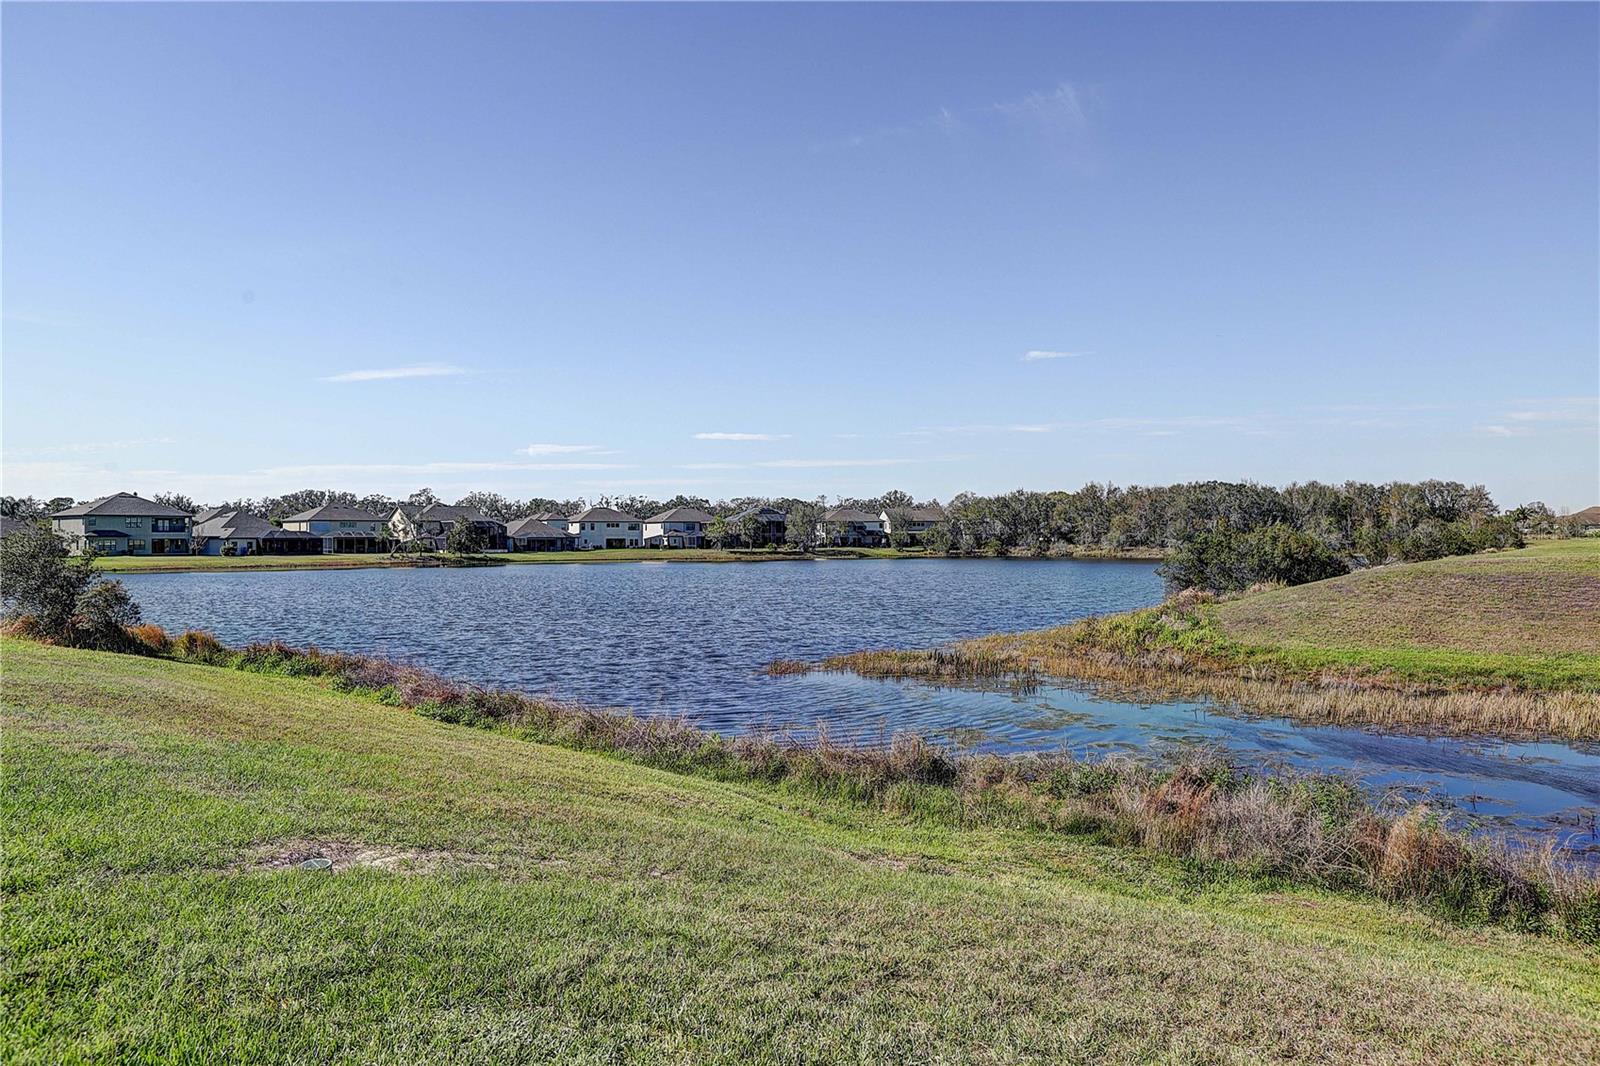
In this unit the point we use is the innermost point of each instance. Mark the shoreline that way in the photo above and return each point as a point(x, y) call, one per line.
point(1366, 649)
point(189, 564)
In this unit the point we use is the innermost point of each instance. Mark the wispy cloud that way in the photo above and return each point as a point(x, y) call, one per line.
point(393, 373)
point(1558, 415)
point(741, 436)
point(1498, 430)
point(92, 447)
point(1063, 117)
point(562, 449)
point(1039, 355)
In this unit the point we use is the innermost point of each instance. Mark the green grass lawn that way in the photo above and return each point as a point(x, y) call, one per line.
point(496, 899)
point(1529, 617)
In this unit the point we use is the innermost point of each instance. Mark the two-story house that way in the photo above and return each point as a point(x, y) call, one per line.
point(124, 524)
point(604, 527)
point(757, 527)
point(219, 529)
point(912, 521)
point(342, 529)
point(432, 525)
point(677, 527)
point(851, 527)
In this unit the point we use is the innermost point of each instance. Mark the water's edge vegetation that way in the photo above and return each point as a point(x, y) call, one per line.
point(1221, 819)
point(1526, 664)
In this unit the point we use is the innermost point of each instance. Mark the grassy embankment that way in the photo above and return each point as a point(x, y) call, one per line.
point(1505, 643)
point(173, 564)
point(494, 898)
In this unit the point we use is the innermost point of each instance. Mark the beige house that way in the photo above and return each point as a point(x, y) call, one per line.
point(342, 529)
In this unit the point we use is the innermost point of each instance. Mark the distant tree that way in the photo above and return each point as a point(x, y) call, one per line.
point(899, 520)
point(178, 500)
point(800, 528)
point(717, 531)
point(751, 530)
point(422, 498)
point(465, 538)
point(1226, 560)
point(937, 540)
point(895, 500)
point(491, 504)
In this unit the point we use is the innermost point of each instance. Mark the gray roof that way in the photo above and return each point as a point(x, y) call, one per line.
point(241, 525)
point(931, 513)
point(550, 516)
point(9, 526)
point(681, 514)
point(532, 527)
point(212, 512)
point(333, 513)
point(447, 512)
point(601, 514)
point(122, 504)
point(847, 514)
point(768, 514)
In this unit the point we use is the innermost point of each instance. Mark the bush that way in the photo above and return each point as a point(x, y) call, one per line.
point(59, 595)
point(1228, 560)
point(196, 645)
point(151, 637)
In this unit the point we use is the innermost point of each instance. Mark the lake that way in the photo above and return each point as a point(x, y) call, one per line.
point(692, 639)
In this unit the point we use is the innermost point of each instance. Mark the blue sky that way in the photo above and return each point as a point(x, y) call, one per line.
point(798, 250)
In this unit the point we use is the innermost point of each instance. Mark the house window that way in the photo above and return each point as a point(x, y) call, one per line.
point(136, 545)
point(88, 523)
point(611, 525)
point(135, 523)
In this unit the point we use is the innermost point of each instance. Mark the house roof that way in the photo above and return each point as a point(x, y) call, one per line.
point(601, 514)
point(9, 526)
point(1587, 516)
point(680, 514)
point(847, 514)
point(334, 513)
point(532, 527)
point(770, 514)
point(242, 525)
point(550, 516)
point(212, 512)
point(931, 513)
point(122, 504)
point(448, 512)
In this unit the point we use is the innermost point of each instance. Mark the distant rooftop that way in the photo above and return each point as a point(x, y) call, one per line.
point(122, 504)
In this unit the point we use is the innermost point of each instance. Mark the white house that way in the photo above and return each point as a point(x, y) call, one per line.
point(678, 527)
point(604, 527)
point(124, 524)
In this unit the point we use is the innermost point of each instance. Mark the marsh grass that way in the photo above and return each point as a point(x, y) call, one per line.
point(1222, 819)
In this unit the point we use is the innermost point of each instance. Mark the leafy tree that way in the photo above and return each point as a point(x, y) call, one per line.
point(178, 500)
point(1225, 560)
point(717, 531)
point(465, 538)
point(60, 595)
point(800, 528)
point(751, 530)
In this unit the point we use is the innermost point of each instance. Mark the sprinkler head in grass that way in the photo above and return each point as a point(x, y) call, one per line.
point(317, 864)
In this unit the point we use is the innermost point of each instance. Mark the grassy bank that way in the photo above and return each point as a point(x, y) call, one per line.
point(174, 564)
point(1504, 643)
point(497, 898)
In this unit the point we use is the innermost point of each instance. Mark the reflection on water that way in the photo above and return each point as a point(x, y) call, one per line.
point(692, 639)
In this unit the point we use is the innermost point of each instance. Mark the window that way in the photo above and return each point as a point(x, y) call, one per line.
point(611, 525)
point(347, 525)
point(88, 523)
point(135, 523)
point(136, 545)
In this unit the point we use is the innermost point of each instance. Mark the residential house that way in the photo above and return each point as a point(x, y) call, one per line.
point(532, 535)
point(432, 525)
point(604, 527)
point(774, 527)
point(851, 527)
point(916, 521)
point(124, 524)
point(678, 527)
point(342, 529)
point(219, 528)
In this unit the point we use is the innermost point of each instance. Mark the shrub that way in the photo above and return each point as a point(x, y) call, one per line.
point(101, 618)
point(43, 581)
point(1227, 560)
point(196, 645)
point(151, 637)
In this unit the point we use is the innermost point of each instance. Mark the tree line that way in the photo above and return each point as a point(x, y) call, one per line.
point(1217, 534)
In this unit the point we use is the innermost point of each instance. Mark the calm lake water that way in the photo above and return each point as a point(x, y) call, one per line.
point(692, 639)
